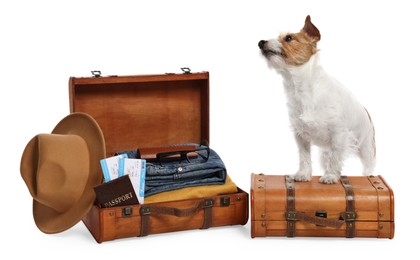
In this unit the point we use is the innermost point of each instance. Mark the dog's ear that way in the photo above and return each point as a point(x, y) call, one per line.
point(311, 29)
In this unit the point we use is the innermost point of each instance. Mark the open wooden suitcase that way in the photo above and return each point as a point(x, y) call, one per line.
point(358, 206)
point(153, 111)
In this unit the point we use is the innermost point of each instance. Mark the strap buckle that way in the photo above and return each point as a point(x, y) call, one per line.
point(145, 210)
point(350, 216)
point(208, 203)
point(291, 216)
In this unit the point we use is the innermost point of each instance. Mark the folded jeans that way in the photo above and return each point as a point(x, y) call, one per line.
point(186, 172)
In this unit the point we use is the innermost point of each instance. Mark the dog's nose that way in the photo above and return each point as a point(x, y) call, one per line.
point(261, 44)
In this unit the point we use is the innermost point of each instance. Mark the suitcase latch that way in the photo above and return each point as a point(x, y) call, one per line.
point(126, 212)
point(96, 73)
point(224, 201)
point(186, 70)
point(321, 214)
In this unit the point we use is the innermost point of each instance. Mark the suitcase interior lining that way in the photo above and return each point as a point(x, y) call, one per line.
point(146, 114)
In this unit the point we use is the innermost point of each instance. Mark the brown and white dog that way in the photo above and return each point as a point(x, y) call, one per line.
point(322, 112)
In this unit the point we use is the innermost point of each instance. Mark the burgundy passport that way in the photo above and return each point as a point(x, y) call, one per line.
point(118, 192)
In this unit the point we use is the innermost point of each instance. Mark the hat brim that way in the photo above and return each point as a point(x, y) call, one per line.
point(49, 220)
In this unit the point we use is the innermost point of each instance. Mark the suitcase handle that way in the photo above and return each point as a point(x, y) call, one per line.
point(147, 210)
point(320, 221)
point(160, 210)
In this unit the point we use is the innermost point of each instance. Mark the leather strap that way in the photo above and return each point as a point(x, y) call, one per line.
point(147, 210)
point(292, 215)
point(207, 216)
point(350, 214)
point(290, 205)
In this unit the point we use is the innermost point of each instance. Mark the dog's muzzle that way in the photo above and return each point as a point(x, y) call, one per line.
point(267, 52)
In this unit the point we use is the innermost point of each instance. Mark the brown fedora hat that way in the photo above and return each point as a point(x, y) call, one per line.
point(61, 169)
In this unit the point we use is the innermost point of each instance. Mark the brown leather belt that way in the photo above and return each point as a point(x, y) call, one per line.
point(151, 153)
point(292, 215)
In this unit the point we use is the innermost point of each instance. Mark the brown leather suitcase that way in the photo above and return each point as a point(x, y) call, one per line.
point(358, 206)
point(153, 111)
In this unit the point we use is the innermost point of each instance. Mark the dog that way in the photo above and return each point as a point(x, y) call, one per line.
point(322, 111)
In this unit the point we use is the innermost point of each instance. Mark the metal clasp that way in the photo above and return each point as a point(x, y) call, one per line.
point(321, 214)
point(126, 212)
point(224, 201)
point(186, 70)
point(96, 73)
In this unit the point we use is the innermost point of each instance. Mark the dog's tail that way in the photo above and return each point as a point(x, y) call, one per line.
point(367, 150)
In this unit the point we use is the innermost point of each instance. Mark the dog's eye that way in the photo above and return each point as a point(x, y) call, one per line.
point(288, 38)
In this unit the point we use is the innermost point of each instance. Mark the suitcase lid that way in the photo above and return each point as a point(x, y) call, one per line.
point(145, 110)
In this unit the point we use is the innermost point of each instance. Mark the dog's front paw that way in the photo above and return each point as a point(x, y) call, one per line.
point(301, 176)
point(329, 179)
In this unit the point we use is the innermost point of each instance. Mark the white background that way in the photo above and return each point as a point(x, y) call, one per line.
point(370, 46)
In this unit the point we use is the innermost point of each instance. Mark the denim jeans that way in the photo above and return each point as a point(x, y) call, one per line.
point(177, 174)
